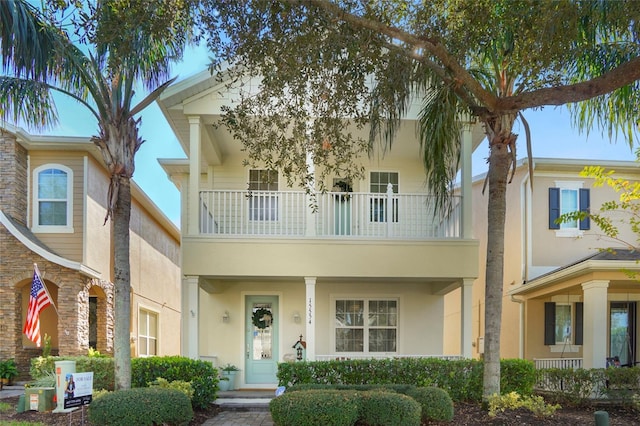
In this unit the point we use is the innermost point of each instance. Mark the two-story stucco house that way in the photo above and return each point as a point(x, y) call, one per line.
point(52, 208)
point(566, 302)
point(362, 275)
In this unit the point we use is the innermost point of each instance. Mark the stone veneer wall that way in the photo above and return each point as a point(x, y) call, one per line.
point(13, 177)
point(16, 271)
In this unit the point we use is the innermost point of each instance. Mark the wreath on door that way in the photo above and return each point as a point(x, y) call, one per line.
point(262, 318)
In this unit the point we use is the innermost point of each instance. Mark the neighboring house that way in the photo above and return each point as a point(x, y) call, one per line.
point(362, 276)
point(566, 302)
point(53, 194)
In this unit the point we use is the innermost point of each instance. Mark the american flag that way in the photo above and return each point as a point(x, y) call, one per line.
point(38, 300)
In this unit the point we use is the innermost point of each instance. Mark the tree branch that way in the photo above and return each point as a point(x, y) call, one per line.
point(460, 75)
point(621, 76)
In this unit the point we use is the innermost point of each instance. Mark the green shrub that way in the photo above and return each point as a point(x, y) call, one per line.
point(399, 388)
point(102, 367)
point(179, 385)
point(435, 402)
point(462, 379)
point(315, 408)
point(141, 406)
point(388, 409)
point(513, 401)
point(201, 374)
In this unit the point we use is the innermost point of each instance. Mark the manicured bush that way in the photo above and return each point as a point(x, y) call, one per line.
point(435, 402)
point(399, 388)
point(102, 368)
point(462, 379)
point(141, 406)
point(315, 408)
point(388, 409)
point(201, 374)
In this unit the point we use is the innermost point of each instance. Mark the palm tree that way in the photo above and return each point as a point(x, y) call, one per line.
point(121, 50)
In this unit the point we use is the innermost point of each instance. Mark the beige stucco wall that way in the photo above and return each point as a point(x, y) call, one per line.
point(420, 314)
point(68, 245)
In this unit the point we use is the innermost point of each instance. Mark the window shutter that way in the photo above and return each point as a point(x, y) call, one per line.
point(554, 207)
point(549, 323)
point(584, 207)
point(579, 323)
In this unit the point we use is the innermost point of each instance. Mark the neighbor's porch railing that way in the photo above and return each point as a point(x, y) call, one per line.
point(333, 214)
point(572, 363)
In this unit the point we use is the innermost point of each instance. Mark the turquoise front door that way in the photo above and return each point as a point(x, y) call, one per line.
point(261, 339)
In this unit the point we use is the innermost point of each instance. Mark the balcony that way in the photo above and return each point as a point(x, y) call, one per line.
point(296, 214)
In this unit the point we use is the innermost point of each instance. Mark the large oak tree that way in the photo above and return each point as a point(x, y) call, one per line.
point(329, 68)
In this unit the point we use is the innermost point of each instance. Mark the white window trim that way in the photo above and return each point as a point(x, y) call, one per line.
point(157, 314)
point(52, 229)
point(569, 232)
point(383, 198)
point(572, 313)
point(366, 299)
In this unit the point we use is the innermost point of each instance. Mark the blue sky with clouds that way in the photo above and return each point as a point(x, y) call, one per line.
point(551, 131)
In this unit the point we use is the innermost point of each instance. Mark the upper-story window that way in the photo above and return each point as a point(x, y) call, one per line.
point(568, 197)
point(53, 198)
point(263, 204)
point(379, 184)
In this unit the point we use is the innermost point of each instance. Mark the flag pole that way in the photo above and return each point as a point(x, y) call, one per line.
point(37, 271)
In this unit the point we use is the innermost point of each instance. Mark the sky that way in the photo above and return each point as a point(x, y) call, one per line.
point(551, 132)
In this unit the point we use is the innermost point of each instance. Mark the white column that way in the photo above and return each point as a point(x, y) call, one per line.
point(467, 205)
point(190, 315)
point(594, 348)
point(465, 317)
point(193, 202)
point(310, 317)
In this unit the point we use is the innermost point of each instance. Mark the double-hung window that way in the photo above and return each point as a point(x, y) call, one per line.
point(263, 197)
point(563, 323)
point(568, 197)
point(379, 208)
point(53, 198)
point(366, 325)
point(147, 333)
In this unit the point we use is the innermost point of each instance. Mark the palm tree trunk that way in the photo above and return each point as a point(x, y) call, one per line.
point(500, 158)
point(121, 267)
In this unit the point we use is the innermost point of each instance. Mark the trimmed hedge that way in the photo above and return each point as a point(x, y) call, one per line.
point(389, 409)
point(580, 386)
point(462, 379)
point(435, 402)
point(201, 374)
point(141, 406)
point(315, 408)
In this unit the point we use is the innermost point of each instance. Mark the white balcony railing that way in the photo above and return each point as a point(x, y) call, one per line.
point(336, 215)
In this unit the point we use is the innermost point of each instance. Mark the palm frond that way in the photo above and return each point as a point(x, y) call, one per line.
point(26, 100)
point(440, 129)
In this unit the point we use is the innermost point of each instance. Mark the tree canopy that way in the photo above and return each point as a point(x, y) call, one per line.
point(331, 69)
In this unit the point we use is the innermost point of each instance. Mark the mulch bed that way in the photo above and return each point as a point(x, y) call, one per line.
point(465, 414)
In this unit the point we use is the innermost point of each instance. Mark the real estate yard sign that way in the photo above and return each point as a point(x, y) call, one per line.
point(79, 389)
